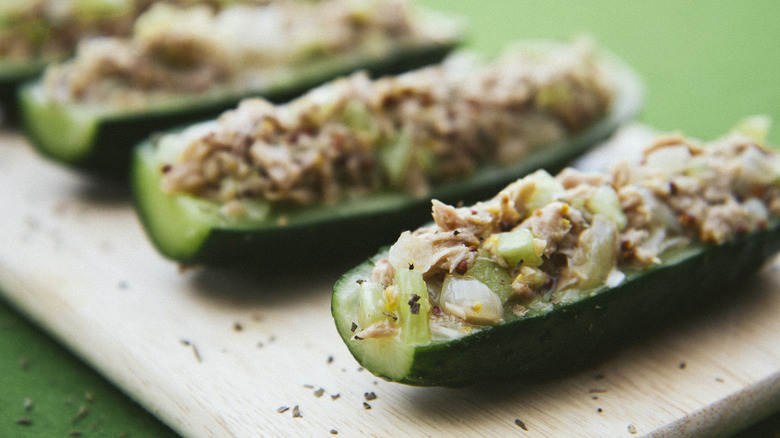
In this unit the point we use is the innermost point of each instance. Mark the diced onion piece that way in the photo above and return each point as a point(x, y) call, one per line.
point(546, 190)
point(595, 256)
point(471, 300)
point(605, 201)
point(411, 252)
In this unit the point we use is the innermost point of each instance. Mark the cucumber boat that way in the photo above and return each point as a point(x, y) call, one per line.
point(35, 33)
point(368, 154)
point(556, 273)
point(184, 65)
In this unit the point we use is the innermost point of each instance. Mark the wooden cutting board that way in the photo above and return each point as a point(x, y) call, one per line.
point(218, 354)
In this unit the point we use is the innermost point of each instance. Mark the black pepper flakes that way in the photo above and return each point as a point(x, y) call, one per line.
point(82, 412)
point(369, 396)
point(282, 409)
point(520, 423)
point(330, 359)
point(24, 421)
point(296, 412)
point(335, 396)
point(366, 406)
point(414, 304)
point(74, 433)
point(238, 327)
point(334, 432)
point(682, 365)
point(632, 429)
point(353, 328)
point(318, 393)
point(599, 410)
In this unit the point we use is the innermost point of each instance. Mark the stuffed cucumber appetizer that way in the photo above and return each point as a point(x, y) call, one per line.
point(555, 272)
point(188, 64)
point(352, 163)
point(34, 33)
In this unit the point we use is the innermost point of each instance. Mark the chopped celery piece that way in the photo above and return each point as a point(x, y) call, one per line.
point(606, 202)
point(395, 156)
point(413, 307)
point(471, 300)
point(370, 304)
point(520, 246)
point(486, 270)
point(546, 190)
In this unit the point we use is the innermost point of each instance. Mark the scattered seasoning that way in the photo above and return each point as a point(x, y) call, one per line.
point(318, 393)
point(455, 233)
point(82, 412)
point(719, 380)
point(123, 285)
point(366, 406)
point(463, 266)
point(353, 328)
point(28, 404)
point(631, 429)
point(599, 376)
point(599, 410)
point(74, 433)
point(238, 327)
point(411, 266)
point(282, 409)
point(360, 281)
point(335, 396)
point(297, 412)
point(391, 316)
point(260, 344)
point(359, 369)
point(520, 423)
point(334, 432)
point(308, 386)
point(24, 421)
point(682, 365)
point(194, 349)
point(414, 304)
point(594, 397)
point(596, 391)
point(369, 396)
point(24, 364)
point(330, 359)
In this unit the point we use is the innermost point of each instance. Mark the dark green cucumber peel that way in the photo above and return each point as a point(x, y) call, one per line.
point(190, 231)
point(12, 76)
point(100, 139)
point(570, 337)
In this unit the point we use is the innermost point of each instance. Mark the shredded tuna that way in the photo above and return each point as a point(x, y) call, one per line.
point(681, 191)
point(48, 30)
point(407, 132)
point(240, 47)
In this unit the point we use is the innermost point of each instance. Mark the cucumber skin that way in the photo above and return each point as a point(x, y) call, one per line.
point(325, 236)
point(11, 78)
point(343, 236)
point(116, 134)
point(575, 336)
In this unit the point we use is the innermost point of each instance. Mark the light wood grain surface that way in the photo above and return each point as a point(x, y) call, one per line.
point(213, 353)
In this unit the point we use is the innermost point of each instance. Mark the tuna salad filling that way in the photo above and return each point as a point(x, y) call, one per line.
point(41, 29)
point(556, 239)
point(407, 132)
point(238, 48)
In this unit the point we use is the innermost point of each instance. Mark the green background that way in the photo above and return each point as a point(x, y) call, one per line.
point(706, 66)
